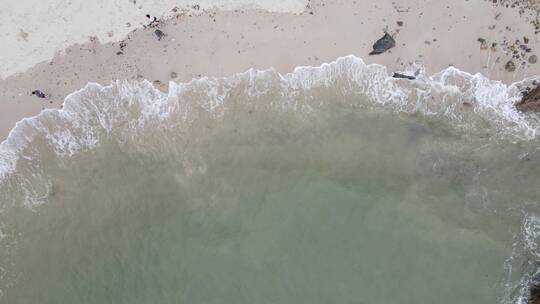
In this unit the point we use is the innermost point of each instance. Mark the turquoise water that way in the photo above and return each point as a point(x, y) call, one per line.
point(343, 211)
point(256, 205)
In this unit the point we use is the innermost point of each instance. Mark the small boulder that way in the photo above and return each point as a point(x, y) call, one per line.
point(383, 44)
point(534, 293)
point(530, 103)
point(39, 94)
point(510, 66)
point(159, 34)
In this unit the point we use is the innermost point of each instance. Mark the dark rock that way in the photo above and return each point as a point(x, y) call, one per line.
point(400, 23)
point(510, 66)
point(159, 34)
point(39, 94)
point(398, 75)
point(154, 21)
point(534, 293)
point(533, 59)
point(530, 103)
point(383, 44)
point(174, 75)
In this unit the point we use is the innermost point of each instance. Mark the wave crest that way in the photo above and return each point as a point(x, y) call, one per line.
point(127, 111)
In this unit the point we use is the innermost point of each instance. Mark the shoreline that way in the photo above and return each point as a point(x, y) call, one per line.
point(480, 85)
point(493, 104)
point(220, 43)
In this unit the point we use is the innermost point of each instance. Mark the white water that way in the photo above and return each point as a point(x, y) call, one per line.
point(136, 115)
point(442, 94)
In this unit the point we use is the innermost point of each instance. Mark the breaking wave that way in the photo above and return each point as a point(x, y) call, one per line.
point(127, 107)
point(130, 112)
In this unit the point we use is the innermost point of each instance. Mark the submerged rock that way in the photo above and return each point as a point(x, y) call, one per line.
point(383, 44)
point(534, 296)
point(530, 102)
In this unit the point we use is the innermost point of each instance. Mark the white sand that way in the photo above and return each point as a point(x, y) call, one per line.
point(32, 31)
point(434, 34)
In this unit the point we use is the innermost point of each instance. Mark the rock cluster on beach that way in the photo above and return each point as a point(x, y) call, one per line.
point(519, 52)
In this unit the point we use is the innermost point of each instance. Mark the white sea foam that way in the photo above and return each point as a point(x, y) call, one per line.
point(522, 264)
point(125, 111)
point(97, 112)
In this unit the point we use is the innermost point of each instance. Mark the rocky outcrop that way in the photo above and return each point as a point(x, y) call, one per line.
point(534, 289)
point(530, 102)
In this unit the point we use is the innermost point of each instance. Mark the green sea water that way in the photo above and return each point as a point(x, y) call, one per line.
point(331, 184)
point(349, 207)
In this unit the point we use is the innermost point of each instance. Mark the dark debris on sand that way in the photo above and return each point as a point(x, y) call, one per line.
point(383, 44)
point(155, 21)
point(159, 34)
point(519, 51)
point(399, 75)
point(510, 66)
point(39, 94)
point(528, 8)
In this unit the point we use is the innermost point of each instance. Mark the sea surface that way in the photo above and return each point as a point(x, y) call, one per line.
point(331, 184)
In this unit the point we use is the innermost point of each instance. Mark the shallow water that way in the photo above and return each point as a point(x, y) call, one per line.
point(337, 201)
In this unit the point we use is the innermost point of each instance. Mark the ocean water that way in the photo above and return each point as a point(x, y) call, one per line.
point(331, 184)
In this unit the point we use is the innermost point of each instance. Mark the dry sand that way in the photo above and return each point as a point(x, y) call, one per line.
point(32, 31)
point(434, 33)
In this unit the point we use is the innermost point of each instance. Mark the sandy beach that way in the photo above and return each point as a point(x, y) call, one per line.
point(473, 35)
point(270, 151)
